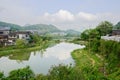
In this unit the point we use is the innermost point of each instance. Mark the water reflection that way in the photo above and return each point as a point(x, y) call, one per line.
point(39, 61)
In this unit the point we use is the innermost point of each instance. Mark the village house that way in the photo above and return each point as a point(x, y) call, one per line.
point(4, 32)
point(115, 32)
point(115, 36)
point(8, 37)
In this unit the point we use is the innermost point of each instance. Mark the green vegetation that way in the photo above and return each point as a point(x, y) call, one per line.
point(117, 26)
point(105, 28)
point(13, 27)
point(100, 60)
point(60, 72)
point(89, 64)
point(102, 29)
point(21, 74)
point(36, 43)
point(42, 28)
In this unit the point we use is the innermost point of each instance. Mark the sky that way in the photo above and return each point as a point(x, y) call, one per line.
point(64, 14)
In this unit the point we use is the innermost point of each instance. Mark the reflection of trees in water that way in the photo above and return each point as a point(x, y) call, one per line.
point(41, 52)
point(24, 56)
point(20, 56)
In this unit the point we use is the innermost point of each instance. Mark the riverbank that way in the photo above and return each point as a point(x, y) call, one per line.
point(89, 64)
point(28, 49)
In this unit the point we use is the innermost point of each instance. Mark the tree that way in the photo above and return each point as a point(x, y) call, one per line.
point(85, 35)
point(117, 26)
point(21, 74)
point(20, 43)
point(90, 34)
point(63, 72)
point(105, 28)
point(1, 75)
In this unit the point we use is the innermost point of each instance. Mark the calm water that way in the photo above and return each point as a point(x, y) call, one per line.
point(40, 61)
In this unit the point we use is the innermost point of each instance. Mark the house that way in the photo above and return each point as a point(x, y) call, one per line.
point(4, 33)
point(8, 37)
point(13, 36)
point(114, 37)
point(115, 32)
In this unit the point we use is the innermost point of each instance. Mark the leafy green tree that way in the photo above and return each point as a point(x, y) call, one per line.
point(20, 43)
point(62, 72)
point(90, 34)
point(21, 74)
point(85, 35)
point(36, 39)
point(105, 28)
point(1, 75)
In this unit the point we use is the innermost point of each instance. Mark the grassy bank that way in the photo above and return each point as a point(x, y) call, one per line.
point(89, 64)
point(27, 49)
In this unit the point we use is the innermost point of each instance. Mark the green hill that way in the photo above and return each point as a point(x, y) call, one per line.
point(10, 25)
point(39, 28)
point(42, 28)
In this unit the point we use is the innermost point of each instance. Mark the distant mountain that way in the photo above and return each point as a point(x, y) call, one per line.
point(12, 26)
point(70, 31)
point(42, 28)
point(117, 26)
point(39, 28)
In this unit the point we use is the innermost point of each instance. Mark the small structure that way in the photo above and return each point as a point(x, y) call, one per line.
point(114, 37)
point(4, 33)
point(115, 32)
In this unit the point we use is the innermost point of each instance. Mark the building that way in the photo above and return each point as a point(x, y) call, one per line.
point(4, 33)
point(114, 37)
point(13, 36)
point(8, 37)
point(115, 32)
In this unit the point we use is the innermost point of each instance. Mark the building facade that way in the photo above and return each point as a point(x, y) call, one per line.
point(8, 37)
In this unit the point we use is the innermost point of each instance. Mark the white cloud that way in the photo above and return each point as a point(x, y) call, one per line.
point(80, 21)
point(60, 16)
point(63, 19)
point(86, 16)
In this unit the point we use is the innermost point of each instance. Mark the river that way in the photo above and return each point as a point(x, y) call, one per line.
point(40, 61)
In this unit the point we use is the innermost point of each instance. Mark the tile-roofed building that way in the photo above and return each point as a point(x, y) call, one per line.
point(116, 32)
point(8, 37)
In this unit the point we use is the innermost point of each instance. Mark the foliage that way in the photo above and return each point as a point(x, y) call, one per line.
point(21, 74)
point(62, 72)
point(1, 76)
point(85, 35)
point(90, 34)
point(110, 50)
point(20, 43)
point(102, 29)
point(117, 26)
point(89, 64)
point(105, 28)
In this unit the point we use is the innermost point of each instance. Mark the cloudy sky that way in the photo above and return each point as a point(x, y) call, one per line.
point(65, 14)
